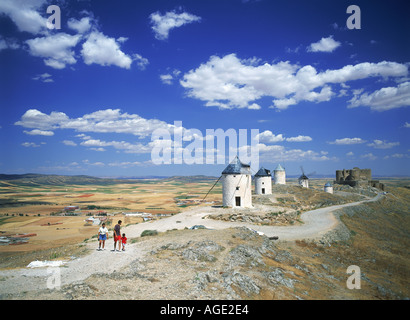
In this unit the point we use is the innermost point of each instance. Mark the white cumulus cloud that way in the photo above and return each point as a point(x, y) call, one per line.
point(369, 156)
point(69, 143)
point(33, 118)
point(127, 147)
point(268, 136)
point(229, 82)
point(324, 45)
point(102, 121)
point(81, 26)
point(379, 144)
point(166, 78)
point(24, 13)
point(162, 24)
point(103, 50)
point(140, 61)
point(37, 132)
point(44, 77)
point(347, 141)
point(30, 145)
point(55, 49)
point(276, 153)
point(299, 139)
point(384, 99)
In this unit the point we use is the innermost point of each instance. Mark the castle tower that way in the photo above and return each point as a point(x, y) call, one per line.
point(237, 185)
point(328, 188)
point(263, 181)
point(279, 175)
point(303, 181)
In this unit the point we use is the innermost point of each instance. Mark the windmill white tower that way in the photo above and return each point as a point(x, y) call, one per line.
point(263, 181)
point(237, 185)
point(328, 188)
point(279, 175)
point(303, 180)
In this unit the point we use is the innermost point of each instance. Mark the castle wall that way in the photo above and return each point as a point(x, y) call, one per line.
point(377, 184)
point(366, 174)
point(339, 175)
point(357, 178)
point(354, 174)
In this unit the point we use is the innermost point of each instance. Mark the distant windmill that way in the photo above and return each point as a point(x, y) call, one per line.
point(279, 175)
point(303, 179)
point(263, 181)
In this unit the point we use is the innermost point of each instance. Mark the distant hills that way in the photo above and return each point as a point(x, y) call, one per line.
point(34, 179)
point(197, 178)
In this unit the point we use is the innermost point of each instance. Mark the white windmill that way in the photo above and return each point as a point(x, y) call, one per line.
point(279, 175)
point(237, 185)
point(263, 181)
point(303, 180)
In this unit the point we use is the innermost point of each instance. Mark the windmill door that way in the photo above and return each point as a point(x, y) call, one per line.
point(238, 201)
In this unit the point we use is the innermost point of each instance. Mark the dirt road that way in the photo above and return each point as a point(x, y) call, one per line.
point(315, 223)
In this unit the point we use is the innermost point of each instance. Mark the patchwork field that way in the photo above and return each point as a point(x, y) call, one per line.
point(39, 209)
point(152, 196)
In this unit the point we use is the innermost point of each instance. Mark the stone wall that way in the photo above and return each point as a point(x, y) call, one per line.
point(357, 178)
point(354, 174)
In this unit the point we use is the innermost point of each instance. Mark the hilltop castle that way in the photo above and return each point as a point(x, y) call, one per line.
point(357, 178)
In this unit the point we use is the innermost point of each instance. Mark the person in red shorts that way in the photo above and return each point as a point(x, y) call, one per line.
point(117, 235)
point(124, 241)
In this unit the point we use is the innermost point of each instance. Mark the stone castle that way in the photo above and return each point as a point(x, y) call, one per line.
point(357, 178)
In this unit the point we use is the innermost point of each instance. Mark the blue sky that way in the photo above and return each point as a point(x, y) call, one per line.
point(86, 98)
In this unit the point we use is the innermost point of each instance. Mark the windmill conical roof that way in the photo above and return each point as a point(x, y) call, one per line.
point(263, 173)
point(237, 167)
point(279, 168)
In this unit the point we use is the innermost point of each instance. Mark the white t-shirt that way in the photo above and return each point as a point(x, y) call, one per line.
point(103, 230)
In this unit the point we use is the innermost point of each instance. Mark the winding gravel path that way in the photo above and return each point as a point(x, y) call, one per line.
point(315, 224)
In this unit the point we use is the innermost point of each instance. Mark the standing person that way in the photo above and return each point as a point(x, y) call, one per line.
point(117, 235)
point(102, 236)
point(124, 241)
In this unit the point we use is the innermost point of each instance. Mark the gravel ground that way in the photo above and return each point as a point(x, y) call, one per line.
point(315, 224)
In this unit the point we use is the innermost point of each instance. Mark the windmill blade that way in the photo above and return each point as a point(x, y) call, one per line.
point(211, 188)
point(312, 174)
point(301, 168)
